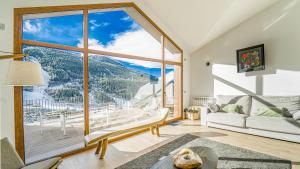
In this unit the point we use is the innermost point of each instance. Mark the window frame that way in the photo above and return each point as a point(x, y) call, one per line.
point(18, 42)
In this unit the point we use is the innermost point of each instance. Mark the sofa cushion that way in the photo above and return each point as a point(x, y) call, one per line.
point(213, 107)
point(231, 108)
point(243, 101)
point(231, 119)
point(277, 124)
point(269, 112)
point(296, 116)
point(286, 105)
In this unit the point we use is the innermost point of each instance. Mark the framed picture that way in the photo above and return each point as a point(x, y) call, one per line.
point(251, 59)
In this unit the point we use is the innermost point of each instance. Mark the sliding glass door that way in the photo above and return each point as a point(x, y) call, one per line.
point(53, 114)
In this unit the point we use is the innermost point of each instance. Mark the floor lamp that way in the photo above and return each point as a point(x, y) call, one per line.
point(23, 73)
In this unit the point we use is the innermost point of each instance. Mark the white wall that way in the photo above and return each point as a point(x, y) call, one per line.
point(186, 79)
point(6, 44)
point(278, 27)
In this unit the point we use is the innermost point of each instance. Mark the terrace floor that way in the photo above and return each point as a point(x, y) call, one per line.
point(51, 142)
point(125, 150)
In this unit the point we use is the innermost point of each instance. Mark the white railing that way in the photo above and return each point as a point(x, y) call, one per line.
point(45, 111)
point(103, 115)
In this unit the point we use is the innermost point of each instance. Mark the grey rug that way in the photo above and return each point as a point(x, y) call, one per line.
point(229, 156)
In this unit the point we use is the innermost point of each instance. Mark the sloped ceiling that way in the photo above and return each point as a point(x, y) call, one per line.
point(190, 23)
point(197, 22)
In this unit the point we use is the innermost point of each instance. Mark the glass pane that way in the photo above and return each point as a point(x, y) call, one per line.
point(169, 85)
point(64, 28)
point(171, 52)
point(173, 89)
point(122, 91)
point(123, 31)
point(53, 114)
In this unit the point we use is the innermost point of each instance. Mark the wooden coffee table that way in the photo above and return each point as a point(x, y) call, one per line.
point(208, 156)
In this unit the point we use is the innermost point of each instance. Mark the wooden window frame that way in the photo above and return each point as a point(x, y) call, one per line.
point(18, 42)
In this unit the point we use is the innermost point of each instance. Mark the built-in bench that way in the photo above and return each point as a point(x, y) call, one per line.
point(101, 137)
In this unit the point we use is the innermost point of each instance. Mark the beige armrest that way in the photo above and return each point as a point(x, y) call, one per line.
point(204, 112)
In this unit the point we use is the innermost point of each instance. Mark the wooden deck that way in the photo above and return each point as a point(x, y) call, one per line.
point(51, 142)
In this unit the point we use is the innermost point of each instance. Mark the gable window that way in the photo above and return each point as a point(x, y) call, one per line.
point(104, 66)
point(122, 31)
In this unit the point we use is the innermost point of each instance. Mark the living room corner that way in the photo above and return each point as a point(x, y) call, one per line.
point(150, 84)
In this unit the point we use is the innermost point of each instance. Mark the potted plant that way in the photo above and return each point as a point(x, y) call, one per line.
point(192, 113)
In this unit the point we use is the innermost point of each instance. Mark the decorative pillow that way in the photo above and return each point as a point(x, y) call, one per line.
point(286, 112)
point(213, 107)
point(231, 108)
point(296, 115)
point(269, 112)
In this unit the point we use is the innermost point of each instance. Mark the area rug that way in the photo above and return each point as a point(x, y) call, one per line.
point(229, 156)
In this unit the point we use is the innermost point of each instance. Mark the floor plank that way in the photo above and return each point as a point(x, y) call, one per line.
point(125, 150)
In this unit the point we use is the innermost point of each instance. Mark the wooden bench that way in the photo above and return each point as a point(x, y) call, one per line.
point(101, 137)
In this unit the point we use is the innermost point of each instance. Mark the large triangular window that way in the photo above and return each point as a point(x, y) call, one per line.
point(104, 66)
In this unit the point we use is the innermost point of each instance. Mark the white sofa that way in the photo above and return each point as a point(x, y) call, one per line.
point(283, 128)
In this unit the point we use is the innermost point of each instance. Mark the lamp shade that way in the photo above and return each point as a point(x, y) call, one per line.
point(23, 73)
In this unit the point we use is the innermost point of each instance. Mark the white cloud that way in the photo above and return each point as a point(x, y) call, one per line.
point(93, 21)
point(32, 28)
point(126, 18)
point(93, 44)
point(105, 24)
point(138, 42)
point(96, 25)
point(135, 26)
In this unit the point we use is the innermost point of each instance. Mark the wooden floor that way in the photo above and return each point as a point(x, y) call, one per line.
point(125, 150)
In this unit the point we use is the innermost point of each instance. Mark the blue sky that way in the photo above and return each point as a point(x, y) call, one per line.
point(104, 29)
point(105, 26)
point(153, 71)
point(68, 30)
point(64, 30)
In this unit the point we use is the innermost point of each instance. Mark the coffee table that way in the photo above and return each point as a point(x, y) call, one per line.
point(208, 156)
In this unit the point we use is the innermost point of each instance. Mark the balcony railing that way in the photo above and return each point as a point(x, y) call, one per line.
point(104, 115)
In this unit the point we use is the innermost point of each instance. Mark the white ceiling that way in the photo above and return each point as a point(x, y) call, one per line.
point(197, 22)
